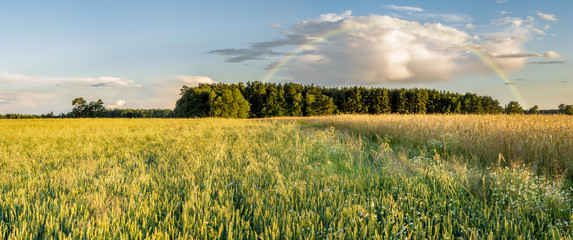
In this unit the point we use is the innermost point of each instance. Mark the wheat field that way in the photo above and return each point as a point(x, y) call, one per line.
point(342, 177)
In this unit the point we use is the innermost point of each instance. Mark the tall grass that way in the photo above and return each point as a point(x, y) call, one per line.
point(244, 179)
point(544, 142)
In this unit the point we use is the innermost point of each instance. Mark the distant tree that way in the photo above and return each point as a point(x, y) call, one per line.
point(565, 109)
point(471, 104)
point(399, 101)
point(533, 110)
point(421, 100)
point(490, 105)
point(274, 103)
point(568, 110)
point(291, 99)
point(322, 105)
point(351, 100)
point(562, 107)
point(513, 107)
point(378, 101)
point(212, 100)
point(82, 109)
point(96, 109)
point(255, 93)
point(194, 102)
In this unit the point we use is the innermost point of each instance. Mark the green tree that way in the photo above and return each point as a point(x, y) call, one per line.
point(82, 109)
point(513, 107)
point(379, 101)
point(421, 100)
point(565, 109)
point(212, 100)
point(80, 106)
point(533, 110)
point(322, 105)
point(293, 99)
point(568, 110)
point(399, 101)
point(194, 102)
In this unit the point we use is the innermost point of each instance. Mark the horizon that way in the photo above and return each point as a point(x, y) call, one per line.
point(138, 54)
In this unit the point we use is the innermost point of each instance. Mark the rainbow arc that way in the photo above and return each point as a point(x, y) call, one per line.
point(344, 29)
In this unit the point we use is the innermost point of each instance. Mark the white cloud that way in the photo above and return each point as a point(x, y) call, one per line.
point(548, 17)
point(275, 25)
point(404, 8)
point(501, 1)
point(163, 93)
point(446, 17)
point(551, 54)
point(380, 48)
point(504, 12)
point(192, 81)
point(420, 13)
point(539, 31)
point(389, 49)
point(515, 22)
point(118, 104)
point(37, 95)
point(333, 17)
point(546, 27)
point(23, 80)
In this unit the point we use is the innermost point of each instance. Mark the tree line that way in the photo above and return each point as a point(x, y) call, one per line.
point(96, 109)
point(260, 100)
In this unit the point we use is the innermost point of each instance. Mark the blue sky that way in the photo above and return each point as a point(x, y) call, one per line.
point(137, 54)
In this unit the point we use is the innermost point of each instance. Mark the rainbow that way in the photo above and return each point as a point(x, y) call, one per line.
point(486, 60)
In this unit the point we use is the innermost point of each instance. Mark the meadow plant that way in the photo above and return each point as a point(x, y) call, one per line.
point(252, 179)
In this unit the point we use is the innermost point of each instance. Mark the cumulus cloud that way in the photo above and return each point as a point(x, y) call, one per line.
point(446, 17)
point(37, 95)
point(548, 17)
point(41, 94)
point(380, 48)
point(23, 80)
point(163, 92)
point(333, 17)
point(118, 104)
point(551, 54)
point(192, 81)
point(34, 101)
point(404, 8)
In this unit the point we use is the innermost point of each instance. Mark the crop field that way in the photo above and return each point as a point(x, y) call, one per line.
point(341, 177)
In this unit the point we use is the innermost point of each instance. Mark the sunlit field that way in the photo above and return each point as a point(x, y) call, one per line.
point(343, 177)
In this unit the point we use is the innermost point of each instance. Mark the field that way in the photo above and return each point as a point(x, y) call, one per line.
point(343, 177)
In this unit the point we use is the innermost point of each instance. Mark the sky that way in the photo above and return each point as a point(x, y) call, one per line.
point(138, 54)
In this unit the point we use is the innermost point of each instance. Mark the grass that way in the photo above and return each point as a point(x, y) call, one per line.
point(543, 142)
point(245, 179)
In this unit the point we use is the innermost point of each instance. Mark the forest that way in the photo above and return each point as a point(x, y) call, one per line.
point(260, 100)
